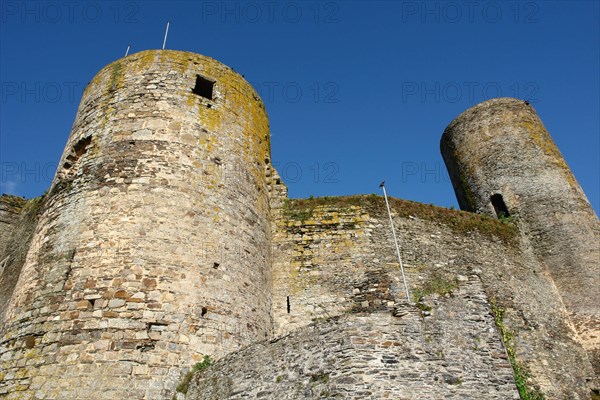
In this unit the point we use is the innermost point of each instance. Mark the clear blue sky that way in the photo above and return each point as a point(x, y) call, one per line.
point(356, 91)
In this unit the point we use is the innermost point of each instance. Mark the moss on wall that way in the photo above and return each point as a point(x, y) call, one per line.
point(459, 221)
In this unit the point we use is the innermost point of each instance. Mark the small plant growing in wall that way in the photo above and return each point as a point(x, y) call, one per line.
point(292, 212)
point(437, 284)
point(185, 383)
point(506, 219)
point(520, 372)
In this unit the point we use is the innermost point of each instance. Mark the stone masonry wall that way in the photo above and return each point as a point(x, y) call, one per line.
point(10, 209)
point(18, 219)
point(453, 352)
point(335, 256)
point(167, 236)
point(153, 249)
point(501, 148)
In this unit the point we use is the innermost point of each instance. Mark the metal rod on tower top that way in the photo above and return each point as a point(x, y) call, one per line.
point(166, 33)
point(395, 242)
point(127, 51)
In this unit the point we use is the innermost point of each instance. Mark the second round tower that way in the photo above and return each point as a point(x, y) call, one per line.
point(503, 162)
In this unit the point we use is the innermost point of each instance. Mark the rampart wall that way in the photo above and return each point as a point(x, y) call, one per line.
point(335, 256)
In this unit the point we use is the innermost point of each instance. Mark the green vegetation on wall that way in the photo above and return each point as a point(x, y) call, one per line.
point(459, 221)
point(187, 378)
point(438, 284)
point(520, 372)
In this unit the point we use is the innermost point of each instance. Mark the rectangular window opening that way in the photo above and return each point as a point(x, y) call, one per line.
point(204, 87)
point(288, 304)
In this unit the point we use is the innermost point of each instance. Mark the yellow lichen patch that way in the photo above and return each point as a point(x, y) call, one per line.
point(97, 80)
point(144, 61)
point(237, 94)
point(31, 353)
point(293, 279)
point(191, 100)
point(116, 76)
point(538, 133)
point(210, 117)
point(115, 82)
point(177, 61)
point(208, 143)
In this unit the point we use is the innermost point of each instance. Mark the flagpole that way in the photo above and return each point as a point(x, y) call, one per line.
point(396, 242)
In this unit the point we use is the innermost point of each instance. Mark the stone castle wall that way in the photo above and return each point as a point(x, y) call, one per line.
point(18, 219)
point(501, 148)
point(10, 211)
point(335, 256)
point(167, 236)
point(153, 248)
point(454, 352)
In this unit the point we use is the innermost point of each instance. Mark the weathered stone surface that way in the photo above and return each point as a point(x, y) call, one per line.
point(156, 185)
point(501, 148)
point(334, 256)
point(167, 236)
point(454, 353)
point(10, 210)
point(18, 220)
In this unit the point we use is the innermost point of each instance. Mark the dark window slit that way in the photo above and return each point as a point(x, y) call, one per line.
point(499, 206)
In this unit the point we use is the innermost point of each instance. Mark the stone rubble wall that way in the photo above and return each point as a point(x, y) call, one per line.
point(18, 219)
point(453, 352)
point(336, 256)
point(10, 210)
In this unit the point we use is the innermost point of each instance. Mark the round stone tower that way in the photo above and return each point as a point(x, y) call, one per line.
point(153, 249)
point(502, 162)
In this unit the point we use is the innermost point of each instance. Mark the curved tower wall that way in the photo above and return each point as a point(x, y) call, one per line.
point(154, 246)
point(501, 159)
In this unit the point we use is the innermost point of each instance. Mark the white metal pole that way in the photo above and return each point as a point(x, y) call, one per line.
point(396, 243)
point(166, 33)
point(127, 51)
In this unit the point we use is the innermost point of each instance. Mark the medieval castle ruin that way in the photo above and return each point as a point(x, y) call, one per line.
point(167, 236)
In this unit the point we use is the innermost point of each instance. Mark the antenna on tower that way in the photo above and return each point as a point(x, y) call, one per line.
point(127, 51)
point(166, 33)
